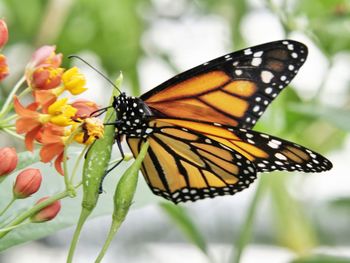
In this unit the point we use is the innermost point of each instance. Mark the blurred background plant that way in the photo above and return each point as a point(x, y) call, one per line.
point(284, 217)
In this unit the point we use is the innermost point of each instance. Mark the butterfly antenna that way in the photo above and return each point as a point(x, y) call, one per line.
point(99, 72)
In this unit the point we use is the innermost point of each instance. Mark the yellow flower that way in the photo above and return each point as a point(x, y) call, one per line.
point(92, 128)
point(74, 81)
point(61, 113)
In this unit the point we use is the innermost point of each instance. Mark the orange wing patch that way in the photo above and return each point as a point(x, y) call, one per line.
point(193, 86)
point(213, 97)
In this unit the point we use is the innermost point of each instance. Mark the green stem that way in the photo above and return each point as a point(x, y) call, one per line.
point(114, 228)
point(6, 106)
point(127, 157)
point(8, 206)
point(69, 186)
point(19, 219)
point(25, 92)
point(76, 165)
point(12, 133)
point(246, 229)
point(8, 229)
point(83, 216)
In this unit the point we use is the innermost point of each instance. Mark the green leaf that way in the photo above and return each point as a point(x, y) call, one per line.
point(184, 222)
point(27, 158)
point(321, 259)
point(339, 117)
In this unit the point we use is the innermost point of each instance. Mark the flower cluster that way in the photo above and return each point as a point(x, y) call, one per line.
point(42, 109)
point(51, 119)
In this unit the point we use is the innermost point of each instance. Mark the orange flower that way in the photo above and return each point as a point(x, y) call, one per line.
point(4, 69)
point(53, 140)
point(29, 122)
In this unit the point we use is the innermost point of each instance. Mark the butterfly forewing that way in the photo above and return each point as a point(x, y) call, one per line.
point(234, 89)
point(184, 165)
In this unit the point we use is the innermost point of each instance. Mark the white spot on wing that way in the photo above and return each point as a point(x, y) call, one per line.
point(266, 76)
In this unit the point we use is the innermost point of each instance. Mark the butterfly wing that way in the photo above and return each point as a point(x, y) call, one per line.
point(234, 89)
point(266, 152)
point(183, 165)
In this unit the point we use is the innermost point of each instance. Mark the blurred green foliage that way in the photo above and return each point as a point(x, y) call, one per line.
point(113, 30)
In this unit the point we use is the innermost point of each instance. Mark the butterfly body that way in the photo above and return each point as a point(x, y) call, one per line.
point(199, 125)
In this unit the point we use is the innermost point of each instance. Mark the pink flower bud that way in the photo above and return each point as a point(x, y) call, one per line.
point(4, 35)
point(8, 160)
point(27, 182)
point(84, 107)
point(47, 213)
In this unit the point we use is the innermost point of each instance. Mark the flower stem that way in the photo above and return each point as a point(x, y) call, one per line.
point(7, 229)
point(114, 228)
point(6, 107)
point(76, 165)
point(8, 206)
point(82, 218)
point(19, 219)
point(69, 186)
point(12, 133)
point(25, 92)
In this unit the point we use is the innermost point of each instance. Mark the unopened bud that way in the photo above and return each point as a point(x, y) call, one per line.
point(47, 213)
point(27, 183)
point(8, 160)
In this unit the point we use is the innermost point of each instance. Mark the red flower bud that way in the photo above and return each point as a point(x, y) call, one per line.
point(27, 182)
point(8, 160)
point(4, 35)
point(84, 107)
point(47, 213)
point(4, 69)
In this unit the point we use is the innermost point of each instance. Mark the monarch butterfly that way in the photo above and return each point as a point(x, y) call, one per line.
point(199, 124)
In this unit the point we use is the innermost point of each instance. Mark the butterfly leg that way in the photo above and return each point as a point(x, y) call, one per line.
point(114, 166)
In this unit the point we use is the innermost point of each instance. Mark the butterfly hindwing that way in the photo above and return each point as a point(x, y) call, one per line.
point(184, 165)
point(268, 153)
point(234, 89)
point(282, 154)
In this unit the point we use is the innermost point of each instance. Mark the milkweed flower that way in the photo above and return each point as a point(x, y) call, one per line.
point(45, 78)
point(53, 141)
point(47, 213)
point(50, 83)
point(92, 129)
point(61, 113)
point(27, 183)
point(8, 160)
